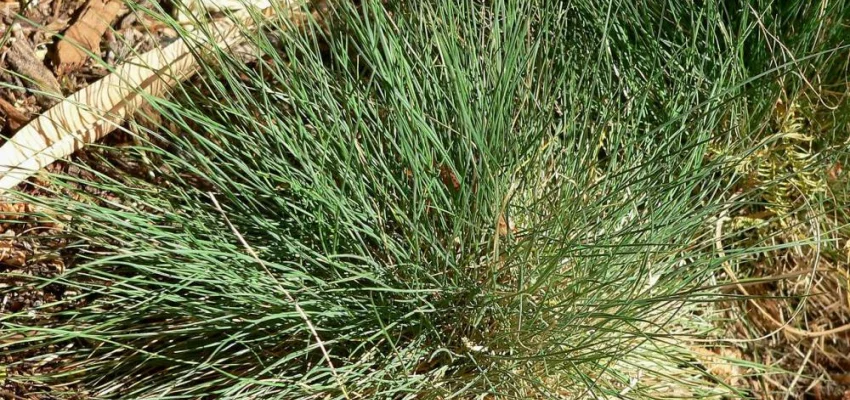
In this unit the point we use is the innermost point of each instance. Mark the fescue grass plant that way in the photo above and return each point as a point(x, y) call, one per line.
point(465, 199)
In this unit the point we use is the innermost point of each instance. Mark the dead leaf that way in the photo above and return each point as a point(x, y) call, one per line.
point(505, 226)
point(91, 113)
point(83, 37)
point(56, 26)
point(99, 108)
point(8, 9)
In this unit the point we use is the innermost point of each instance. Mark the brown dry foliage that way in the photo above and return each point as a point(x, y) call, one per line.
point(806, 282)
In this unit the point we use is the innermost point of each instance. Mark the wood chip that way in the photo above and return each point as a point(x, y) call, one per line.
point(23, 60)
point(83, 37)
point(11, 255)
point(8, 10)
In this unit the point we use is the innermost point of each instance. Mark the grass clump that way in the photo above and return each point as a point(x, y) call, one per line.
point(467, 199)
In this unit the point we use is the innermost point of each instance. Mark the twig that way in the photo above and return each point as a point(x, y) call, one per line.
point(286, 293)
point(14, 118)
